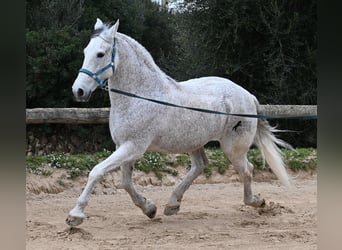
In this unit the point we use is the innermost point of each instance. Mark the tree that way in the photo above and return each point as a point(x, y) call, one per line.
point(268, 47)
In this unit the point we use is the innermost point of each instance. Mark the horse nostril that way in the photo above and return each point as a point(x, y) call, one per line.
point(80, 92)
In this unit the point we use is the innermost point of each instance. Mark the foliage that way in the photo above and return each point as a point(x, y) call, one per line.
point(269, 47)
point(255, 158)
point(38, 165)
point(301, 159)
point(53, 14)
point(161, 164)
point(76, 165)
point(218, 160)
point(154, 162)
point(53, 58)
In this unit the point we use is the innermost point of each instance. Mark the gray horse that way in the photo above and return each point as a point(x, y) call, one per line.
point(138, 126)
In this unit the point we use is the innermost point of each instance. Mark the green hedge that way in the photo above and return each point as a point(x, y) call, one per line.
point(161, 164)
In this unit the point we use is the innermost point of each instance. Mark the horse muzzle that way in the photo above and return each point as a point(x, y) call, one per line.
point(81, 95)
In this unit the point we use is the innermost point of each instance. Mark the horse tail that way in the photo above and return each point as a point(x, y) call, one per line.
point(267, 143)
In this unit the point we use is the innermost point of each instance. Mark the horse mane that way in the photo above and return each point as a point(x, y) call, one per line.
point(97, 32)
point(134, 49)
point(140, 52)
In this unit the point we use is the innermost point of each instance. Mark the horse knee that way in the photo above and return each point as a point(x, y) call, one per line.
point(96, 174)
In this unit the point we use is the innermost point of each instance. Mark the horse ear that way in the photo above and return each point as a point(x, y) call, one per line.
point(112, 31)
point(114, 28)
point(98, 24)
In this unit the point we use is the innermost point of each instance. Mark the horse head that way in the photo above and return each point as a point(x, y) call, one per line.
point(100, 61)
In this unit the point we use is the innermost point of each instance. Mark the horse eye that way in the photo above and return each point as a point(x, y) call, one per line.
point(100, 54)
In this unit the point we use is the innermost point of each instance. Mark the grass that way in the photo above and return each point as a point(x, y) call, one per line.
point(216, 160)
point(161, 164)
point(301, 159)
point(76, 165)
point(157, 163)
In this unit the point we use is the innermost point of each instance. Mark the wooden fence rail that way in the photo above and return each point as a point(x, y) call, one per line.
point(100, 115)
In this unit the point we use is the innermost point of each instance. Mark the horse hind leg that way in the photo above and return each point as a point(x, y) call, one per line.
point(245, 170)
point(198, 162)
point(146, 205)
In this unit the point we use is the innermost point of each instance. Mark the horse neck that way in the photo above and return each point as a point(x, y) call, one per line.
point(137, 72)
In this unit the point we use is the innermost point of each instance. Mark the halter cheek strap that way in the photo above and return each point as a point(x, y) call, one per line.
point(102, 83)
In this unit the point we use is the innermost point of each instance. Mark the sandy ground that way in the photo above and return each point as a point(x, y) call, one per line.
point(212, 215)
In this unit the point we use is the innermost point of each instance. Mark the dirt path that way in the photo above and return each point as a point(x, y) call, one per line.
point(212, 216)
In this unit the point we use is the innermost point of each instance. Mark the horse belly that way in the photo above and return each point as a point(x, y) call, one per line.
point(188, 134)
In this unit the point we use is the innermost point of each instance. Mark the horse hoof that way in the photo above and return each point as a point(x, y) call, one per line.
point(171, 210)
point(74, 221)
point(151, 210)
point(256, 202)
point(152, 213)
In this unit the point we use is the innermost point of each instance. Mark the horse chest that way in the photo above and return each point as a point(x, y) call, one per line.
point(129, 124)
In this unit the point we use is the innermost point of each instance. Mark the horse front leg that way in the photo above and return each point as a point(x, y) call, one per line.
point(198, 162)
point(140, 201)
point(125, 153)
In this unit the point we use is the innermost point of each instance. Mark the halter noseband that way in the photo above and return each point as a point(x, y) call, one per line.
point(102, 83)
